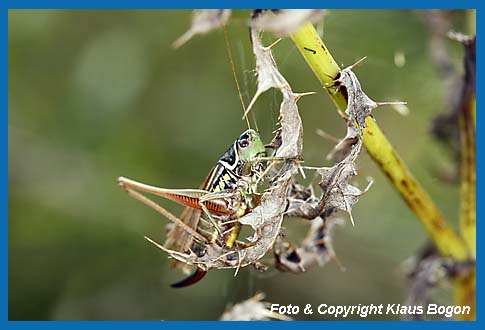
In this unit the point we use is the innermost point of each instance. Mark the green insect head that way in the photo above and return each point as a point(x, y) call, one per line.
point(250, 146)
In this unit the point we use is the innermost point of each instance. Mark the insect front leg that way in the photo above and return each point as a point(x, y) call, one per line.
point(273, 160)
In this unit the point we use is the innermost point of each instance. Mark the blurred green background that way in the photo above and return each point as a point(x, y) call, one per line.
point(98, 94)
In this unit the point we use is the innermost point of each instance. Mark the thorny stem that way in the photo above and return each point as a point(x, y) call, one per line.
point(465, 288)
point(380, 149)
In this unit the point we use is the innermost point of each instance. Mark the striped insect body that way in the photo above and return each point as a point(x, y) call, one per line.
point(229, 192)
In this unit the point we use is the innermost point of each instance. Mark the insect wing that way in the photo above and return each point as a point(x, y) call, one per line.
point(177, 238)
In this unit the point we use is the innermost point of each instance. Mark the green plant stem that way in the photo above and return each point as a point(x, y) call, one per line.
point(468, 177)
point(468, 158)
point(379, 148)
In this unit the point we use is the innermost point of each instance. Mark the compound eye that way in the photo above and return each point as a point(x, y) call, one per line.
point(243, 143)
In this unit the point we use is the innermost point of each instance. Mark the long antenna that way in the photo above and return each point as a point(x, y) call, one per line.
point(245, 81)
point(229, 52)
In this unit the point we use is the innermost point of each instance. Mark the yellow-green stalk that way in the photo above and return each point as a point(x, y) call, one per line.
point(465, 288)
point(380, 149)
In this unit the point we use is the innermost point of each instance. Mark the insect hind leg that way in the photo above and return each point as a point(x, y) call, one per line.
point(129, 188)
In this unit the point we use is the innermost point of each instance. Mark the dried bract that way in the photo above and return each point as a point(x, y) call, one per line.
point(252, 309)
point(283, 22)
point(204, 21)
point(427, 271)
point(316, 248)
point(337, 192)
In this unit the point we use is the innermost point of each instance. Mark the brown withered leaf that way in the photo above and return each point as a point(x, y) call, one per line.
point(337, 192)
point(359, 105)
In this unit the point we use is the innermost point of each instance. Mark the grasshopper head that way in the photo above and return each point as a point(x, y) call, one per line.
point(249, 145)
